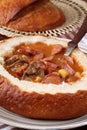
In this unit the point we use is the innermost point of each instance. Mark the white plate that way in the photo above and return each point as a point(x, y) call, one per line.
point(83, 44)
point(74, 11)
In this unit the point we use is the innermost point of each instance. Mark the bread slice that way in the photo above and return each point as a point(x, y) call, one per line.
point(42, 101)
point(39, 16)
point(9, 8)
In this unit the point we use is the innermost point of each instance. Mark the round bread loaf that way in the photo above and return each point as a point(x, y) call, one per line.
point(42, 101)
point(30, 15)
point(40, 16)
point(9, 8)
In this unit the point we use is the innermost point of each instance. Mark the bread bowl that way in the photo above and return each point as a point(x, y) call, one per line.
point(43, 100)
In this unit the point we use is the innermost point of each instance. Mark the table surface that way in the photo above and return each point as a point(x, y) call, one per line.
point(69, 35)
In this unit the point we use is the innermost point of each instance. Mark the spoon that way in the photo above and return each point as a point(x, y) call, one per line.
point(73, 44)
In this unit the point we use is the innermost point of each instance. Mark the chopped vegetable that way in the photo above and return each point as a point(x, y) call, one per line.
point(38, 79)
point(63, 73)
point(78, 75)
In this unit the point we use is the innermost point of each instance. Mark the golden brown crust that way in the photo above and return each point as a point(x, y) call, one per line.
point(42, 101)
point(42, 106)
point(39, 16)
point(9, 8)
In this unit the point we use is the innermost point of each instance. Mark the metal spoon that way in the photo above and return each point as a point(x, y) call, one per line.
point(73, 44)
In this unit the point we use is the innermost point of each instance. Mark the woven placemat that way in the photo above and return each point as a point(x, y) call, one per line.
point(74, 11)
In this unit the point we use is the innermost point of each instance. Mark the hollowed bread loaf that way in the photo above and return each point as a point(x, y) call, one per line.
point(38, 100)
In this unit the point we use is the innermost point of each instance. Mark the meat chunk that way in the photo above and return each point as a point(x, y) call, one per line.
point(12, 59)
point(27, 51)
point(17, 64)
point(57, 49)
point(24, 59)
point(39, 56)
point(52, 78)
point(50, 67)
point(35, 69)
point(16, 58)
point(69, 60)
point(67, 67)
point(49, 59)
point(20, 69)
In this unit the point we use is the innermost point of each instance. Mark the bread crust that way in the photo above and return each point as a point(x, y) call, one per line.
point(27, 100)
point(42, 106)
point(21, 15)
point(39, 16)
point(9, 8)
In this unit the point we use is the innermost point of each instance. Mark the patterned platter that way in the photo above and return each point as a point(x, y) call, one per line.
point(74, 11)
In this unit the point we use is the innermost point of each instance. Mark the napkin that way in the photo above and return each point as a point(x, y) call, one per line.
point(82, 45)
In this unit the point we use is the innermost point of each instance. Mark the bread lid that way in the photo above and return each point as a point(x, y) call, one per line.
point(40, 16)
point(9, 8)
point(71, 10)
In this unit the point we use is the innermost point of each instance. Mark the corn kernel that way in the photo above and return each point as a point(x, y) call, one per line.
point(78, 74)
point(38, 79)
point(63, 73)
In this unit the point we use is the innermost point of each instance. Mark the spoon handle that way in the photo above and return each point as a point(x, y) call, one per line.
point(82, 31)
